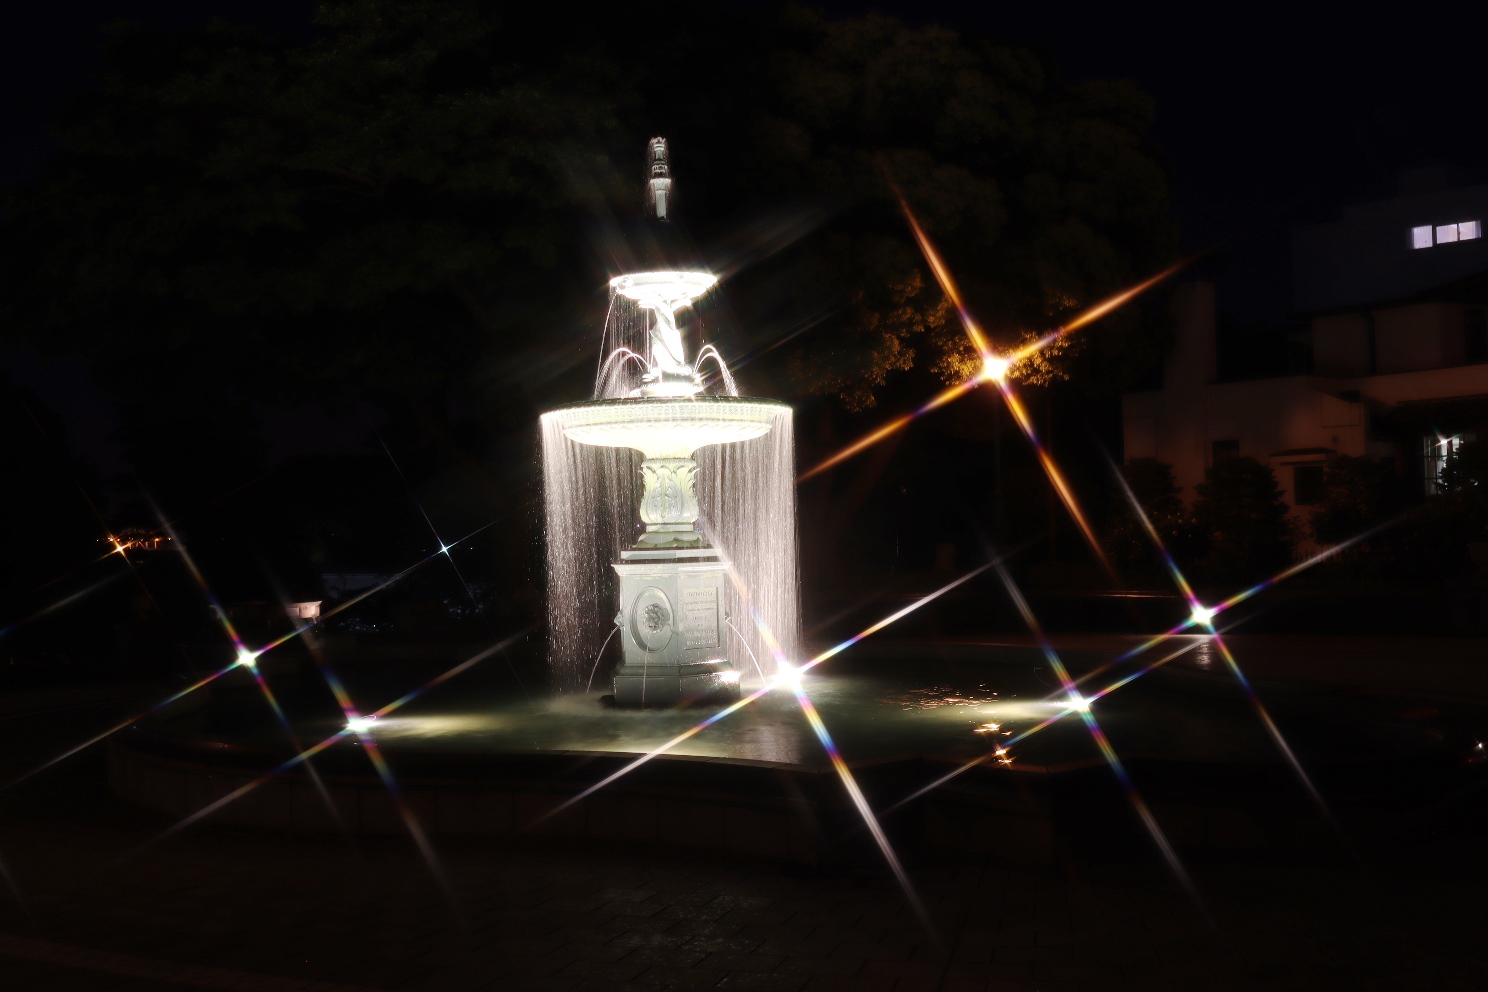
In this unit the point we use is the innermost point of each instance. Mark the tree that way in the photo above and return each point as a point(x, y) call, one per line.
point(1242, 516)
point(1044, 196)
point(399, 203)
point(1465, 475)
point(382, 214)
point(1151, 482)
point(369, 209)
point(418, 209)
point(1354, 499)
point(1435, 543)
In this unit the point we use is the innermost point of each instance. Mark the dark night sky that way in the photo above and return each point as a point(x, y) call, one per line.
point(1269, 117)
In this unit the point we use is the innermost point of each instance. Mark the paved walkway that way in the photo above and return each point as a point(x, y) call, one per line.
point(104, 909)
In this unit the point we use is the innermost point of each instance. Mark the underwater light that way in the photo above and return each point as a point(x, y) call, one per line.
point(789, 676)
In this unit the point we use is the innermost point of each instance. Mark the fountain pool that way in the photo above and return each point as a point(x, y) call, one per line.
point(473, 758)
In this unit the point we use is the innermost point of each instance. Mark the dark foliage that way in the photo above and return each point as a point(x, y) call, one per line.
point(1357, 496)
point(1242, 516)
point(398, 207)
point(1127, 541)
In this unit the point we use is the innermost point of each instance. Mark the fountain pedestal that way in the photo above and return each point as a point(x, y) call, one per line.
point(672, 619)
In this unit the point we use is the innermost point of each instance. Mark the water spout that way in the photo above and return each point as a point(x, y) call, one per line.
point(709, 351)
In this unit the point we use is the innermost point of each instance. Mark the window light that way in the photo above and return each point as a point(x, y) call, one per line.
point(1463, 230)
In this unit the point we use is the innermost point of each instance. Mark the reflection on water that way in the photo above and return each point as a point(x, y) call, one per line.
point(954, 710)
point(869, 717)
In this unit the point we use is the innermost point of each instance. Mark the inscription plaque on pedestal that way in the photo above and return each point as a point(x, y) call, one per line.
point(700, 617)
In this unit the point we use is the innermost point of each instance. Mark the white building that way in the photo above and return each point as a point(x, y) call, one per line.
point(1401, 382)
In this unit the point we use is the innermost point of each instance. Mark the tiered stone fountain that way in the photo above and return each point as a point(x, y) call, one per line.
point(673, 583)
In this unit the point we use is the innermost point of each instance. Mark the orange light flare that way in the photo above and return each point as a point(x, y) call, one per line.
point(996, 367)
point(1056, 477)
point(1098, 311)
point(893, 426)
point(943, 276)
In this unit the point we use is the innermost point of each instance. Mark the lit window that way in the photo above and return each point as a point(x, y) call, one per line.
point(1437, 449)
point(1463, 230)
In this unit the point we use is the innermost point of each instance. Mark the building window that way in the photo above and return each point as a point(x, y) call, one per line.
point(1307, 485)
point(1474, 336)
point(1436, 449)
point(1221, 450)
point(1463, 230)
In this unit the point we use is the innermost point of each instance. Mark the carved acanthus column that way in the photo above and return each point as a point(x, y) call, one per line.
point(669, 506)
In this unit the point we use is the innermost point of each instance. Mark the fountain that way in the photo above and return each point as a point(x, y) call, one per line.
point(717, 458)
point(670, 507)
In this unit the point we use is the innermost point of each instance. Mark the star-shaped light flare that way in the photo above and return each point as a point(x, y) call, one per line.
point(342, 734)
point(756, 695)
point(1198, 616)
point(362, 726)
point(238, 661)
point(444, 548)
point(1076, 702)
point(1203, 616)
point(995, 368)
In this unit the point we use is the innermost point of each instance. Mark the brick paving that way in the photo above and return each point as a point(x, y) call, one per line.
point(221, 909)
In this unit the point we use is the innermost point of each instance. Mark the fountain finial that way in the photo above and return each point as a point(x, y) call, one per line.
point(669, 372)
point(658, 177)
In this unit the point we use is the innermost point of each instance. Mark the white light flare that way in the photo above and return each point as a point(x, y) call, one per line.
point(1203, 617)
point(762, 691)
point(788, 676)
point(1102, 743)
point(1001, 753)
point(304, 756)
point(850, 783)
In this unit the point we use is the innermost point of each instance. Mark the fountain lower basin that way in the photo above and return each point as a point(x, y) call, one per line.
point(674, 586)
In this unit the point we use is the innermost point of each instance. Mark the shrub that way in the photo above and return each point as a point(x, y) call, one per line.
point(1151, 482)
point(1243, 518)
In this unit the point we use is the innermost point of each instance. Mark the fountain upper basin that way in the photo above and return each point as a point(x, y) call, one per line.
point(671, 427)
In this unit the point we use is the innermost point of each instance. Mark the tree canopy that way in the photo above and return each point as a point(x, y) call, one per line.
point(417, 200)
